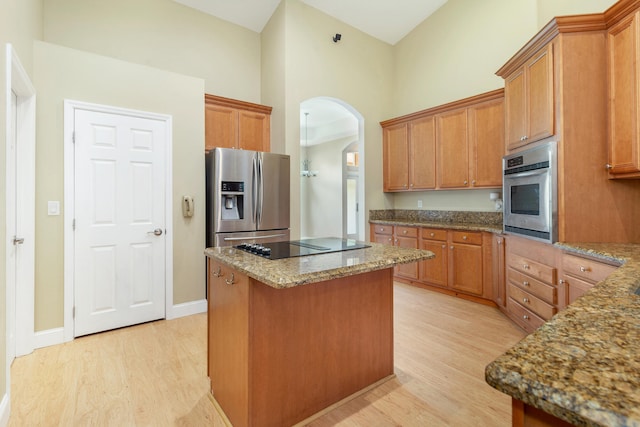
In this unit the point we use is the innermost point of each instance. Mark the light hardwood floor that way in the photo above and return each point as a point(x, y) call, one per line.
point(155, 374)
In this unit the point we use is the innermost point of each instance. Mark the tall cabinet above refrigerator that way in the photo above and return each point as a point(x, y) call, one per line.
point(247, 197)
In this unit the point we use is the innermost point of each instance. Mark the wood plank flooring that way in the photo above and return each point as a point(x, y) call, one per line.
point(155, 374)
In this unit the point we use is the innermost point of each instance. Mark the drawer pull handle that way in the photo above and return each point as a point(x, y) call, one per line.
point(217, 273)
point(230, 281)
point(525, 266)
point(525, 300)
point(584, 269)
point(525, 317)
point(525, 283)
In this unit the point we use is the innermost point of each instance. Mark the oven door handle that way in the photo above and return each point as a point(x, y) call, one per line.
point(528, 173)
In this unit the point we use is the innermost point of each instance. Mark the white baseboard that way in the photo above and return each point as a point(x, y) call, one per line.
point(56, 335)
point(187, 309)
point(49, 337)
point(5, 410)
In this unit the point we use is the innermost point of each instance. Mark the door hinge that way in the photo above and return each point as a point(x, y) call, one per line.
point(74, 312)
point(73, 137)
point(73, 224)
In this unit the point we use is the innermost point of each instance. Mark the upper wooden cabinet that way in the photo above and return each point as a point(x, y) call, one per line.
point(409, 155)
point(236, 124)
point(456, 145)
point(622, 60)
point(529, 100)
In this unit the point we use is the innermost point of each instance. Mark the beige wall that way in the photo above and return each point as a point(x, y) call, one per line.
point(62, 73)
point(162, 34)
point(454, 54)
point(20, 24)
point(358, 70)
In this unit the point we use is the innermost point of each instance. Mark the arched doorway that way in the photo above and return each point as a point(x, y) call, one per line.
point(331, 191)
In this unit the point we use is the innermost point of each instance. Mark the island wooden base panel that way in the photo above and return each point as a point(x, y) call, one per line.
point(307, 347)
point(524, 415)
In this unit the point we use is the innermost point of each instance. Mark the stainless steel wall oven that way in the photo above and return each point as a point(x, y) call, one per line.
point(530, 192)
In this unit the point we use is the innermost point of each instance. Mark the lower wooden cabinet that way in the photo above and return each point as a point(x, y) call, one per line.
point(579, 274)
point(462, 264)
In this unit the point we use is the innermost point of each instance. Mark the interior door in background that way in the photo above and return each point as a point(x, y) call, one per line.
point(119, 240)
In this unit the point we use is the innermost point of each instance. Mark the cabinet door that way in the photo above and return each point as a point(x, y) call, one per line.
point(453, 153)
point(253, 131)
point(220, 127)
point(499, 275)
point(623, 97)
point(540, 95)
point(434, 271)
point(396, 157)
point(515, 109)
point(486, 144)
point(228, 323)
point(422, 158)
point(465, 266)
point(409, 271)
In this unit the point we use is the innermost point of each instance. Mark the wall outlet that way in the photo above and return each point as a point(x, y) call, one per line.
point(419, 203)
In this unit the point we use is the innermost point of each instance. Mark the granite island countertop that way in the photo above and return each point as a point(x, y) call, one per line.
point(583, 365)
point(290, 272)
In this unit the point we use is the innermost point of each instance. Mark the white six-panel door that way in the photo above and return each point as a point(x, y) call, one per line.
point(119, 236)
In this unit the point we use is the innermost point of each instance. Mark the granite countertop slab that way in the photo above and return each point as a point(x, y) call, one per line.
point(290, 272)
point(583, 365)
point(454, 220)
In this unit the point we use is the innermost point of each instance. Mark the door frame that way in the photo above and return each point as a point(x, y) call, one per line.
point(20, 302)
point(69, 202)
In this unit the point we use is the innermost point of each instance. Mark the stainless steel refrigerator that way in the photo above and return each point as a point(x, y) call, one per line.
point(247, 197)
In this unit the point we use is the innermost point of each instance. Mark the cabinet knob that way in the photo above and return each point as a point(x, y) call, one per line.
point(451, 248)
point(525, 300)
point(404, 231)
point(499, 242)
point(584, 269)
point(561, 281)
point(608, 166)
point(524, 138)
point(525, 283)
point(217, 273)
point(473, 182)
point(525, 317)
point(432, 234)
point(464, 237)
point(444, 246)
point(525, 266)
point(381, 229)
point(465, 182)
point(411, 185)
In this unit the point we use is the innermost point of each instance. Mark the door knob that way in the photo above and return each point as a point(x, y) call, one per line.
point(18, 240)
point(157, 232)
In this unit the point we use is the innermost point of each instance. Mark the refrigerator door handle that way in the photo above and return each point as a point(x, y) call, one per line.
point(254, 190)
point(260, 194)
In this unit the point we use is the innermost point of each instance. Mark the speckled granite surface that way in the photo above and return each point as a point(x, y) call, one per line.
point(454, 220)
point(286, 273)
point(584, 364)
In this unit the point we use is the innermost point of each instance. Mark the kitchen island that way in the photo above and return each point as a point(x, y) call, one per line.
point(290, 338)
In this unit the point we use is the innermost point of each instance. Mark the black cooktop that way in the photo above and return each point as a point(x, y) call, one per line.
point(297, 248)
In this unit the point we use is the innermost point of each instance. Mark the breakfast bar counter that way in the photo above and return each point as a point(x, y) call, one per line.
point(582, 366)
point(289, 338)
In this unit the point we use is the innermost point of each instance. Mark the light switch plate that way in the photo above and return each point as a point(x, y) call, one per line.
point(419, 203)
point(53, 208)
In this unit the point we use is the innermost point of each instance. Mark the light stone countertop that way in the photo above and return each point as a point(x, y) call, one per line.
point(290, 272)
point(584, 364)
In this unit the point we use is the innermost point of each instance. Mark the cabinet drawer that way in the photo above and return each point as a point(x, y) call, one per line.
point(383, 229)
point(531, 302)
point(533, 286)
point(468, 237)
point(406, 232)
point(433, 234)
point(528, 319)
point(587, 269)
point(534, 269)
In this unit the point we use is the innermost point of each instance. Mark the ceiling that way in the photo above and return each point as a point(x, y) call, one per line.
point(385, 20)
